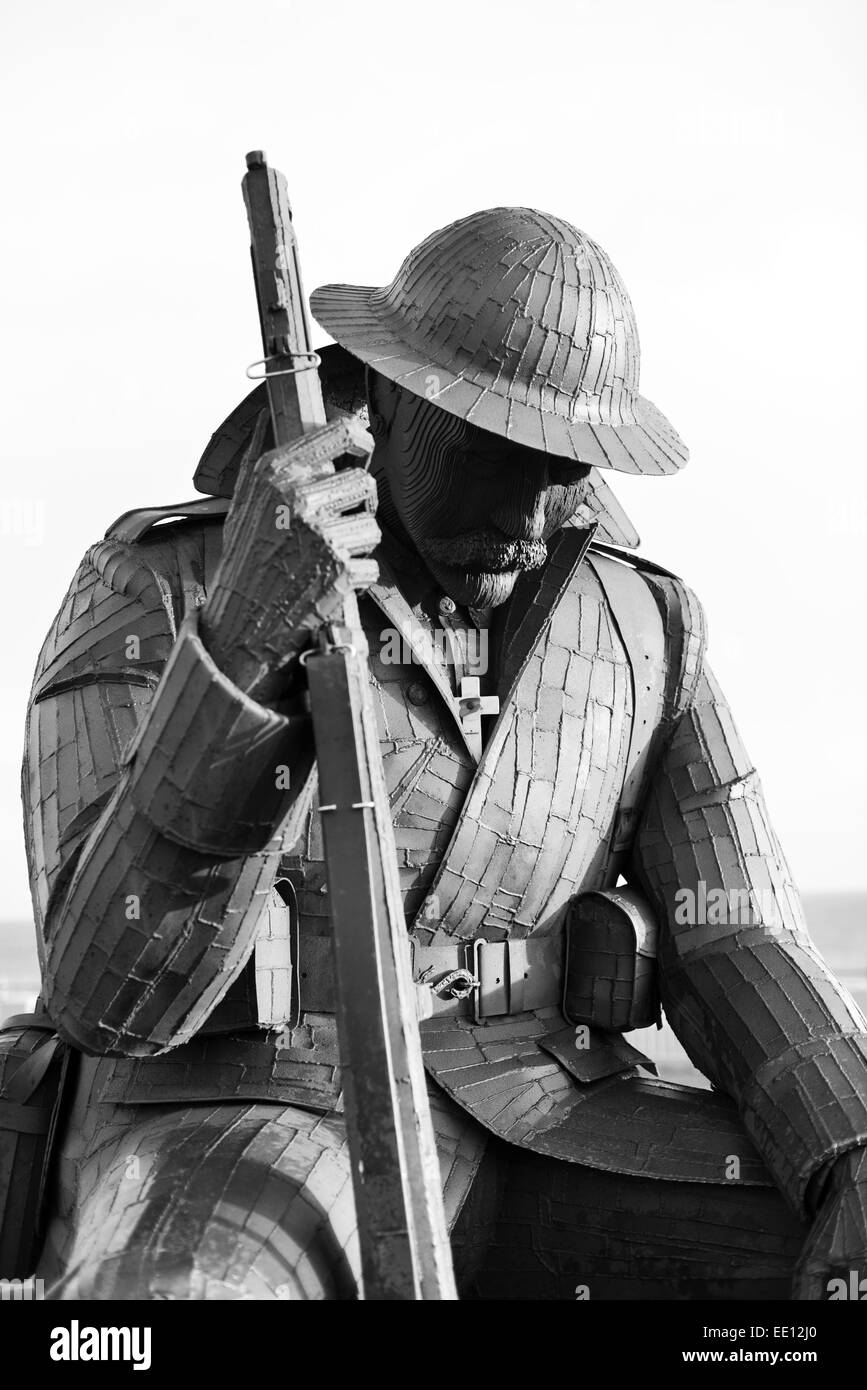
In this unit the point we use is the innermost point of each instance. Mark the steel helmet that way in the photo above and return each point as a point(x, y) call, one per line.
point(519, 323)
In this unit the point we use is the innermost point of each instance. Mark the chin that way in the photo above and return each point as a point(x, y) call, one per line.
point(477, 590)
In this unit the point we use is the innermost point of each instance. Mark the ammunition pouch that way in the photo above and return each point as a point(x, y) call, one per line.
point(34, 1063)
point(610, 971)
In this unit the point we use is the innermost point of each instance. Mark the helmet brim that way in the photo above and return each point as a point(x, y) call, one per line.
point(647, 445)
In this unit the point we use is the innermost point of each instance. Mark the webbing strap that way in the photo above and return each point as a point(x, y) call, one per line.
point(639, 624)
point(24, 1119)
point(34, 1020)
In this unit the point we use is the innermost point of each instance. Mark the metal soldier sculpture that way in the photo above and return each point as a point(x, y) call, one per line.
point(563, 772)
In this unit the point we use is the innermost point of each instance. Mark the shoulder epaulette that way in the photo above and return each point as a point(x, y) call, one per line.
point(637, 562)
point(683, 620)
point(133, 525)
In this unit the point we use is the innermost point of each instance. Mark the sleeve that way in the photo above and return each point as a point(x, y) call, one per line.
point(158, 798)
point(742, 984)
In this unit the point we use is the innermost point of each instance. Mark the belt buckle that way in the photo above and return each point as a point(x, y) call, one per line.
point(490, 968)
point(457, 984)
point(502, 970)
point(460, 983)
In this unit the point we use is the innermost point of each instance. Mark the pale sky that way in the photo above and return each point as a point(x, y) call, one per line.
point(715, 149)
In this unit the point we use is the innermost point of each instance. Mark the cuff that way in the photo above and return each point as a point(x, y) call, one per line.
point(209, 767)
point(806, 1108)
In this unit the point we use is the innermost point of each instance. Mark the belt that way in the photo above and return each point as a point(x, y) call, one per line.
point(488, 979)
point(468, 979)
point(473, 979)
point(477, 979)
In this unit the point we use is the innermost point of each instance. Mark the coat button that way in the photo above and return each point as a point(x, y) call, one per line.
point(417, 693)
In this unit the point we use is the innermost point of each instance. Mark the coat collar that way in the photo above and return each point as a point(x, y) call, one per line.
point(517, 630)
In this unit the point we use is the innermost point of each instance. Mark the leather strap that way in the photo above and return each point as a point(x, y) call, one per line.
point(639, 624)
point(34, 1020)
point(25, 1080)
point(476, 979)
point(25, 1119)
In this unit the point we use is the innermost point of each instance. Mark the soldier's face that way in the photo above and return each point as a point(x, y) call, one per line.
point(478, 509)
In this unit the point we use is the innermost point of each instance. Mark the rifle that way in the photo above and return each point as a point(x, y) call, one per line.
point(405, 1252)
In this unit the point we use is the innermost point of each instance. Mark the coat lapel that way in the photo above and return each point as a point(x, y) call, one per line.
point(391, 602)
point(524, 629)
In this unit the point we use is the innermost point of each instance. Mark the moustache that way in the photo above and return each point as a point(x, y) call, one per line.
point(485, 551)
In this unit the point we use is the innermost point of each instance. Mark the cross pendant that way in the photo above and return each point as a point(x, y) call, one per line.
point(472, 705)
